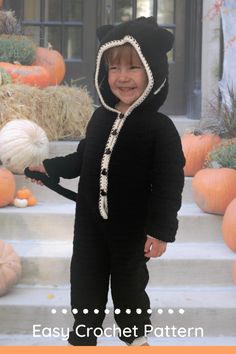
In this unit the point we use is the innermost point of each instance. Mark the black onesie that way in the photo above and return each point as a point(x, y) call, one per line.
point(131, 179)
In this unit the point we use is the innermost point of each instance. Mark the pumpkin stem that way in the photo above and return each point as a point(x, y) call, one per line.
point(197, 131)
point(50, 46)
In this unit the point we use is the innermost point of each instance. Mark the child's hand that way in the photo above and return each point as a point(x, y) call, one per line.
point(39, 168)
point(154, 247)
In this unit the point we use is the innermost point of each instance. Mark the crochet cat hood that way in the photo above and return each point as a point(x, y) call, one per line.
point(152, 43)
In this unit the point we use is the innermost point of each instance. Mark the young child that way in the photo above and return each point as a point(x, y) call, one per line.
point(131, 179)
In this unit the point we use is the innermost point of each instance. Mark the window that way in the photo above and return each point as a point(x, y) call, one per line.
point(55, 22)
point(162, 10)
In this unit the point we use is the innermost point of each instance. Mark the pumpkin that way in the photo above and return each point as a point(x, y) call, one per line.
point(229, 226)
point(22, 143)
point(195, 149)
point(214, 189)
point(7, 187)
point(53, 62)
point(32, 201)
point(10, 267)
point(24, 197)
point(23, 193)
point(27, 74)
point(20, 203)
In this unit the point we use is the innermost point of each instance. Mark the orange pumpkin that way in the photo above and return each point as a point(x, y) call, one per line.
point(23, 193)
point(10, 267)
point(53, 62)
point(32, 201)
point(26, 74)
point(7, 187)
point(229, 226)
point(195, 149)
point(214, 189)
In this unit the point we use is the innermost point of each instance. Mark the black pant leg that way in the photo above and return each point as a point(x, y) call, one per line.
point(129, 278)
point(90, 269)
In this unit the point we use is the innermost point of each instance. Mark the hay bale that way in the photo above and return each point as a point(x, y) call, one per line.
point(62, 111)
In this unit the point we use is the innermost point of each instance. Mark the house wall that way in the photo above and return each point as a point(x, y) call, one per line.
point(211, 64)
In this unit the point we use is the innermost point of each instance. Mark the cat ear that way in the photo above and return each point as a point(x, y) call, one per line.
point(166, 39)
point(103, 30)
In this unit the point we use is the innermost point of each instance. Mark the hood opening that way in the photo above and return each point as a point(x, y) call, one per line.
point(105, 94)
point(152, 43)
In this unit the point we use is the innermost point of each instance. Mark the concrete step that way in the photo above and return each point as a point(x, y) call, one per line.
point(53, 221)
point(187, 195)
point(29, 340)
point(48, 263)
point(211, 310)
point(45, 221)
point(197, 226)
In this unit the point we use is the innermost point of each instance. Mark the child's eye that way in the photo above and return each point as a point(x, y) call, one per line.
point(113, 67)
point(134, 67)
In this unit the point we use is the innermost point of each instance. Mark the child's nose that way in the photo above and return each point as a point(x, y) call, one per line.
point(124, 75)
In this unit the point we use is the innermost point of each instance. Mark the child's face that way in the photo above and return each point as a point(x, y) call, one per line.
point(127, 77)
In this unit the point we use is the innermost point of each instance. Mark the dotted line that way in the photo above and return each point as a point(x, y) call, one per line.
point(118, 311)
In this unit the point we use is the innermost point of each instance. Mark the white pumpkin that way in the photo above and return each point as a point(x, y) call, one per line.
point(10, 267)
point(22, 143)
point(20, 203)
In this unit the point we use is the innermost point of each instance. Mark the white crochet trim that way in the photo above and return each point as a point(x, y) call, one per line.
point(116, 43)
point(154, 238)
point(119, 122)
point(103, 207)
point(159, 88)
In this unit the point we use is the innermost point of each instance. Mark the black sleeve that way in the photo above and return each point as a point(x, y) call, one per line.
point(68, 166)
point(167, 181)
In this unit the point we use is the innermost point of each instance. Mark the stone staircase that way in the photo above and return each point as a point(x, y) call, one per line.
point(191, 285)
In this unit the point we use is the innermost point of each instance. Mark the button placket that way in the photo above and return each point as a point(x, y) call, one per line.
point(103, 205)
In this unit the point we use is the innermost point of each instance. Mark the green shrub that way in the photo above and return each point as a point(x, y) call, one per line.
point(223, 156)
point(17, 48)
point(228, 115)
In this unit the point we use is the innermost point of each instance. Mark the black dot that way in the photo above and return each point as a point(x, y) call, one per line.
point(103, 193)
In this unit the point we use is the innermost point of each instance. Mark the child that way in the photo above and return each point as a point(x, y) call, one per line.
point(131, 179)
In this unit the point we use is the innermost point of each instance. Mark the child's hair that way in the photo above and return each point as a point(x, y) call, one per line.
point(125, 51)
